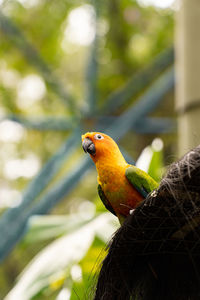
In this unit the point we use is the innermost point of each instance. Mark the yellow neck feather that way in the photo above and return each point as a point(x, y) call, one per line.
point(110, 166)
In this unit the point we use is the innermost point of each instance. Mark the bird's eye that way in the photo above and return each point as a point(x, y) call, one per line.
point(98, 137)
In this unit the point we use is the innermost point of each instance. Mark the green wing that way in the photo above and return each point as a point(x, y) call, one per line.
point(105, 200)
point(142, 182)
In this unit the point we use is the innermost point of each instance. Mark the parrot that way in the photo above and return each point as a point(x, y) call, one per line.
point(121, 186)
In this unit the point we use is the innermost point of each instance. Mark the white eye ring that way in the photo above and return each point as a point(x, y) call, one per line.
point(98, 136)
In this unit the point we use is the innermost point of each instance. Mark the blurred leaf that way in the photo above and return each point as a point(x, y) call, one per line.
point(83, 288)
point(57, 257)
point(52, 226)
point(151, 159)
point(156, 164)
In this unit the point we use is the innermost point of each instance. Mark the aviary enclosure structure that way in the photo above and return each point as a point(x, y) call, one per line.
point(119, 94)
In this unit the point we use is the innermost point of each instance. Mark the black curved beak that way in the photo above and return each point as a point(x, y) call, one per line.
point(88, 146)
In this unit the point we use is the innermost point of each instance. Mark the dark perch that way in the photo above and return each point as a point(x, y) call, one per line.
point(155, 255)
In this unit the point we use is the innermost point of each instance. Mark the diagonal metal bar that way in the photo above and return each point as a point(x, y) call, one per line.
point(92, 68)
point(18, 226)
point(63, 187)
point(39, 183)
point(18, 221)
point(154, 125)
point(48, 123)
point(146, 125)
point(138, 82)
point(11, 31)
point(145, 105)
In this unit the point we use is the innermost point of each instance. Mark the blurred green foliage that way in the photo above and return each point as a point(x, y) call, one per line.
point(37, 40)
point(70, 264)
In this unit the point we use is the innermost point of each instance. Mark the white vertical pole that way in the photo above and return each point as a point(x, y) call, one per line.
point(188, 74)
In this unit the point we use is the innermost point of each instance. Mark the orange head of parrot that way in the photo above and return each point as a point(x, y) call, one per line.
point(101, 147)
